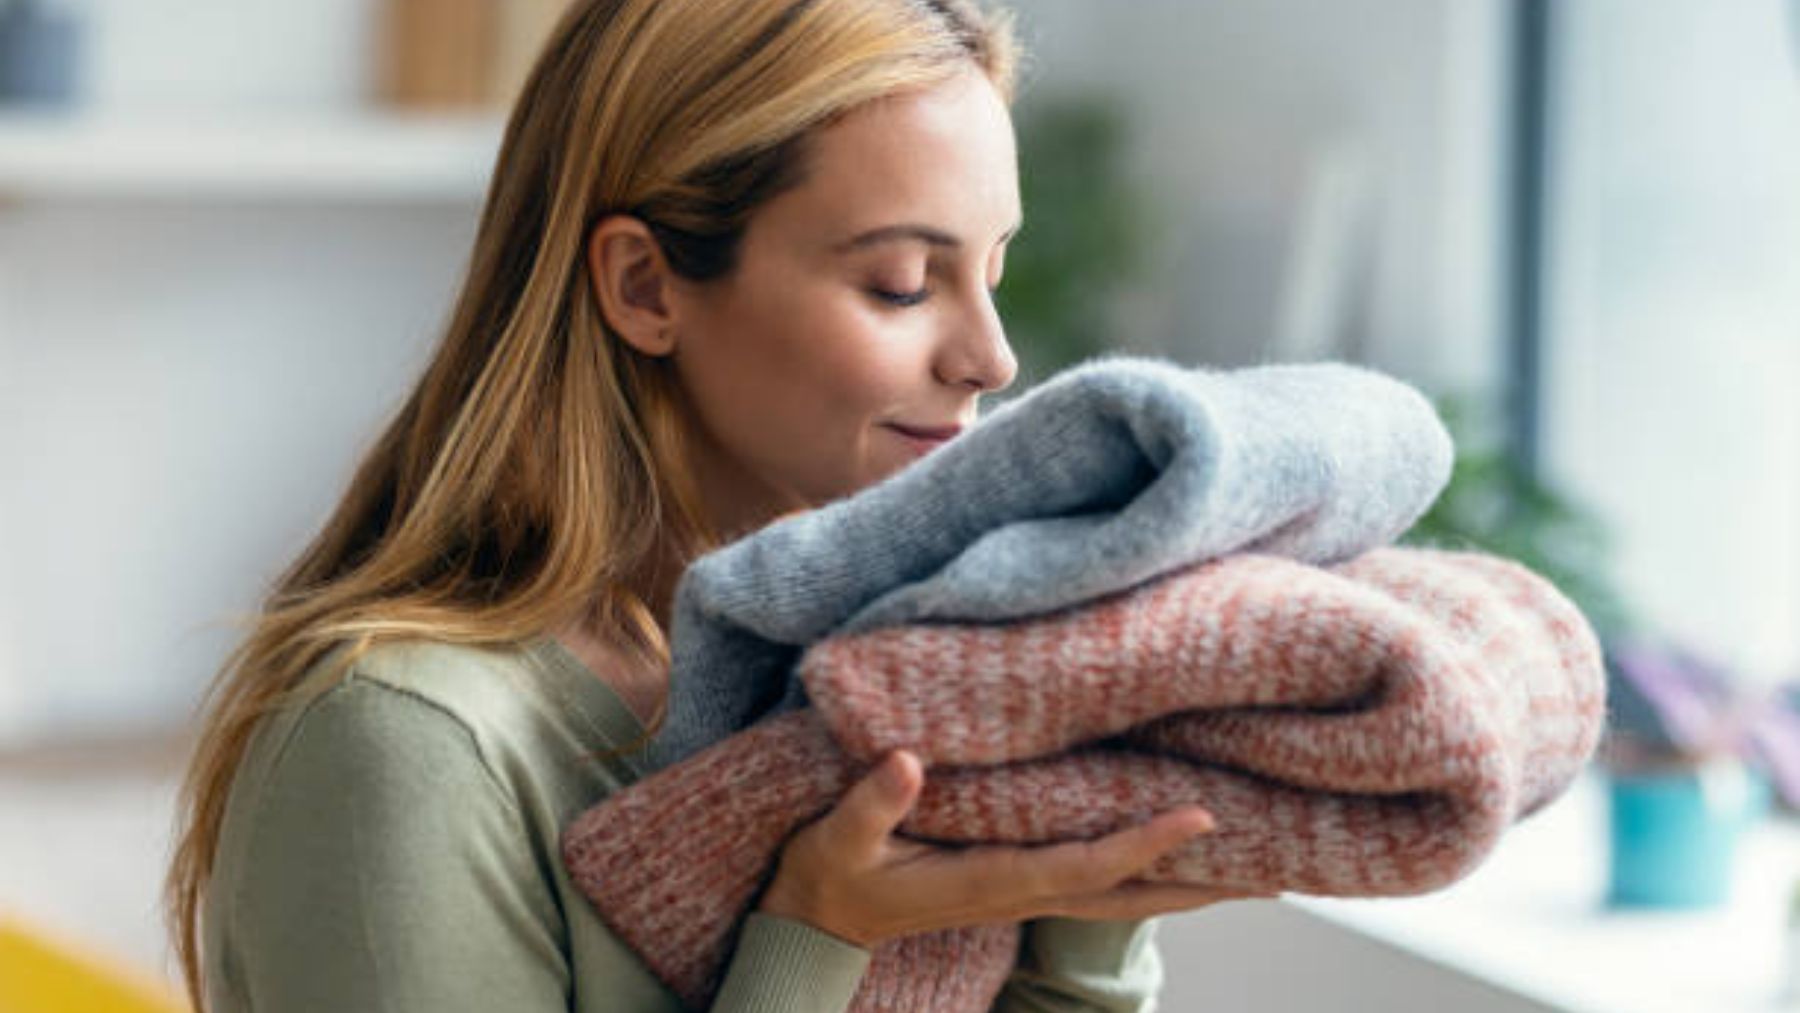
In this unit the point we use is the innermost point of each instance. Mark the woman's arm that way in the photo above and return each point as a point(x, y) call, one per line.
point(1068, 965)
point(387, 868)
point(384, 868)
point(785, 966)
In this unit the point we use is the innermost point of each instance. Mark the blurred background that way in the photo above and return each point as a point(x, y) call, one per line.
point(230, 229)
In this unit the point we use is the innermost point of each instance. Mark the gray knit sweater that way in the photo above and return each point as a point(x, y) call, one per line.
point(1102, 477)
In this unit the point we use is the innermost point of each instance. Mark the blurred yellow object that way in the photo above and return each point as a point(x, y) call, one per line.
point(40, 973)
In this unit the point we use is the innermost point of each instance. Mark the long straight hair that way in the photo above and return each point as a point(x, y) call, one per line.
point(539, 460)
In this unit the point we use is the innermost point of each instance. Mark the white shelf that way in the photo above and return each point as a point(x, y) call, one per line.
point(1532, 920)
point(372, 156)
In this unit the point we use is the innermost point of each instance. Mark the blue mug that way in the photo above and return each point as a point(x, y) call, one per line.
point(1674, 832)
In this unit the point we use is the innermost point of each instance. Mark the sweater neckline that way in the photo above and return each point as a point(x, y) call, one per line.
point(589, 695)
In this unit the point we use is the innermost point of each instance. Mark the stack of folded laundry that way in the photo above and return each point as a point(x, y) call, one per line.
point(1136, 587)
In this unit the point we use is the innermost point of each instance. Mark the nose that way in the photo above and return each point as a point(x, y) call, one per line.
point(974, 352)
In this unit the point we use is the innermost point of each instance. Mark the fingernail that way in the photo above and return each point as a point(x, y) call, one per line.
point(1205, 824)
point(893, 774)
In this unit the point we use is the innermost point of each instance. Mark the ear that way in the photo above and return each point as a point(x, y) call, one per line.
point(632, 282)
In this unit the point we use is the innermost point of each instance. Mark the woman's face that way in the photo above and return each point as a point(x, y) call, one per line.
point(861, 303)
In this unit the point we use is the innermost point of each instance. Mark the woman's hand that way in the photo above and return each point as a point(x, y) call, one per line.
point(848, 875)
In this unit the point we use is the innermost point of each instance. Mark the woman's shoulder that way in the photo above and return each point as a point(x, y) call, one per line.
point(385, 818)
point(392, 707)
point(484, 689)
point(416, 742)
point(498, 694)
point(399, 820)
point(533, 723)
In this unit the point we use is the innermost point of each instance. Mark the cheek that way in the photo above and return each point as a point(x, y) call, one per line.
point(866, 369)
point(848, 357)
point(795, 381)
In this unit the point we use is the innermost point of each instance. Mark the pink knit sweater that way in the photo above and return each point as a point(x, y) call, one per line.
point(1368, 729)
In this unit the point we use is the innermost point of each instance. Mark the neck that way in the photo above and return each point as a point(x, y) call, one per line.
point(737, 501)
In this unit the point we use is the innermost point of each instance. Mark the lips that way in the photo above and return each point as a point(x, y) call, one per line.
point(922, 440)
point(928, 432)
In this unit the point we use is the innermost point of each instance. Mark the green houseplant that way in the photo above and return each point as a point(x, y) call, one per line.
point(1084, 230)
point(1494, 504)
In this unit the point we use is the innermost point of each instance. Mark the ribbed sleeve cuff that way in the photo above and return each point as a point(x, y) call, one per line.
point(1075, 964)
point(1080, 946)
point(784, 966)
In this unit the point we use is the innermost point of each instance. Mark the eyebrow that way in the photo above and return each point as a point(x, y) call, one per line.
point(910, 232)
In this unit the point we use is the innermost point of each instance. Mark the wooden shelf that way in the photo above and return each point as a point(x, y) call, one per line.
point(372, 156)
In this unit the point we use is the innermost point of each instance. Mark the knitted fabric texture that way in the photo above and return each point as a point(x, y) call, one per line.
point(1364, 729)
point(1098, 479)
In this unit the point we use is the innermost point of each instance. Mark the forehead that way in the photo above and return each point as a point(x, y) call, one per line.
point(942, 156)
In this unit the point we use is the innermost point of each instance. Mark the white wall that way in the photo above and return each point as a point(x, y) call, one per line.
point(13, 700)
point(1674, 304)
point(186, 386)
point(227, 54)
point(1237, 103)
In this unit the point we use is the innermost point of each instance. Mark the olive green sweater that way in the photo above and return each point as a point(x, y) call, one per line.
point(390, 844)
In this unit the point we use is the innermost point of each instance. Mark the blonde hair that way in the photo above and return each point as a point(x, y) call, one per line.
point(538, 462)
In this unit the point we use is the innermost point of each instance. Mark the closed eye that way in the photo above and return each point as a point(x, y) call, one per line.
point(904, 299)
point(901, 298)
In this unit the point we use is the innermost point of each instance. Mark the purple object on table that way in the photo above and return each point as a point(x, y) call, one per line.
point(1776, 738)
point(1700, 710)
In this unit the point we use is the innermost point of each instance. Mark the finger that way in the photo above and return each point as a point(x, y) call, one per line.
point(1044, 874)
point(874, 806)
point(1097, 865)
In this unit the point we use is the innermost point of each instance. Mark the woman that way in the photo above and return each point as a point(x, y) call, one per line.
point(736, 261)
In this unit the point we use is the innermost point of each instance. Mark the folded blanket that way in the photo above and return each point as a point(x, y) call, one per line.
point(1367, 729)
point(1095, 481)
